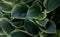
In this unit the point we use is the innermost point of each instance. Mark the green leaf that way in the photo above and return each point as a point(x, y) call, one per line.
point(5, 7)
point(18, 23)
point(3, 36)
point(42, 22)
point(51, 4)
point(6, 26)
point(47, 35)
point(34, 12)
point(50, 28)
point(31, 27)
point(19, 11)
point(20, 33)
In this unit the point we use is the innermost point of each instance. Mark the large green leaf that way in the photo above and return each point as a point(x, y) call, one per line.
point(5, 7)
point(51, 4)
point(31, 27)
point(20, 33)
point(19, 11)
point(50, 28)
point(34, 12)
point(6, 26)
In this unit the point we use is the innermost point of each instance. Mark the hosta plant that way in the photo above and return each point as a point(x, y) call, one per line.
point(28, 18)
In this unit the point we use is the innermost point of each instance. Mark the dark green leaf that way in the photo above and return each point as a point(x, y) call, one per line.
point(47, 35)
point(42, 22)
point(3, 36)
point(50, 28)
point(6, 26)
point(19, 11)
point(5, 7)
point(51, 4)
point(35, 12)
point(20, 33)
point(31, 27)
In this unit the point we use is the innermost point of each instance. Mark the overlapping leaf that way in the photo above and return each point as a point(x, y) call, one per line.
point(6, 26)
point(31, 27)
point(35, 13)
point(20, 33)
point(50, 28)
point(42, 22)
point(5, 7)
point(51, 4)
point(27, 18)
point(19, 11)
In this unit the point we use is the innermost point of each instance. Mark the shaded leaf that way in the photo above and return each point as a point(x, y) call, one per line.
point(5, 7)
point(6, 26)
point(42, 22)
point(19, 11)
point(3, 36)
point(31, 27)
point(35, 13)
point(50, 28)
point(47, 35)
point(51, 4)
point(19, 33)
